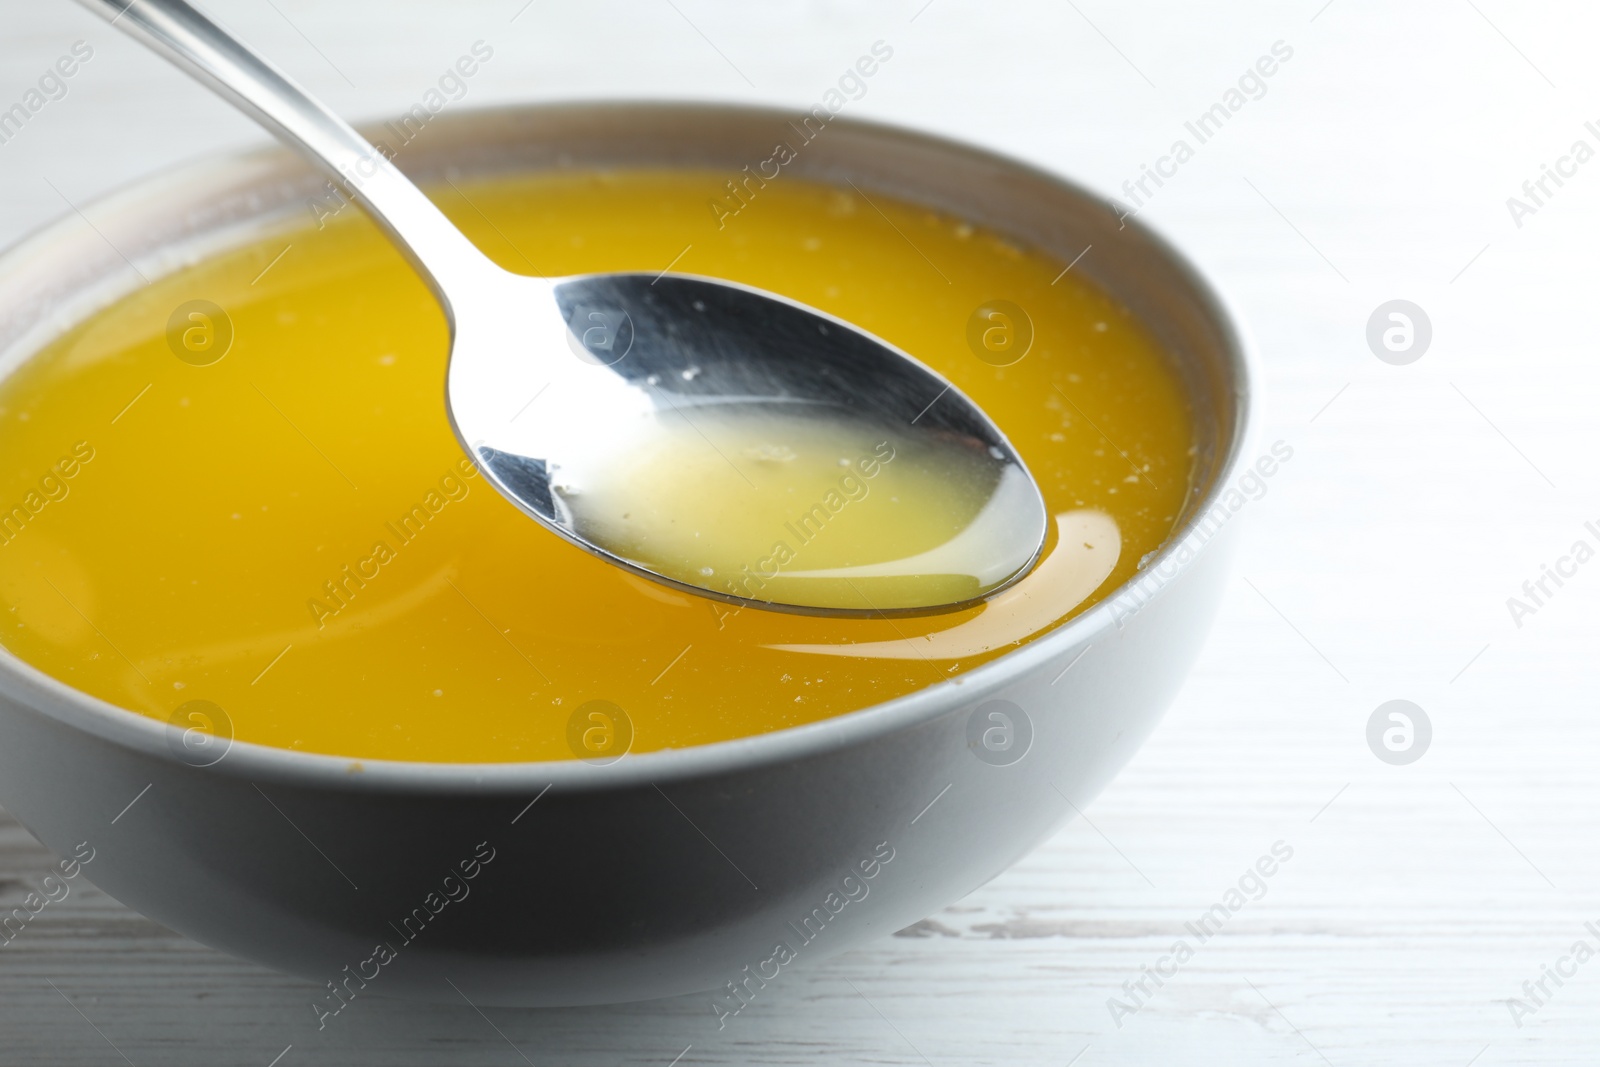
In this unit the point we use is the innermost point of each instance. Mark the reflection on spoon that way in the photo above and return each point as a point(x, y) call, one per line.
point(1086, 550)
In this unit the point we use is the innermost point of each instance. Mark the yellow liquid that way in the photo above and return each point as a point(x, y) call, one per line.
point(293, 534)
point(830, 513)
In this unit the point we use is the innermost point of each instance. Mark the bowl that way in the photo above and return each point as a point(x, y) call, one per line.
point(715, 868)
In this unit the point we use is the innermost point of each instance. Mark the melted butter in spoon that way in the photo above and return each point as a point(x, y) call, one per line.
point(825, 512)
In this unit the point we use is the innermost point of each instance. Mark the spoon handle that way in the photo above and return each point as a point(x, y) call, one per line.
point(174, 29)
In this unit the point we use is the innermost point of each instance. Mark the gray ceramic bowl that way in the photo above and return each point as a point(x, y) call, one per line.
point(666, 872)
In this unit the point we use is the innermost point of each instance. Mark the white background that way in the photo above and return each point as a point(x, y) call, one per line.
point(1378, 565)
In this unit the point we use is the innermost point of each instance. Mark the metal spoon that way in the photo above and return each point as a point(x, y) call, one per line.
point(566, 389)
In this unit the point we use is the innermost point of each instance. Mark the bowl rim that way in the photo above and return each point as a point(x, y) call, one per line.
point(40, 693)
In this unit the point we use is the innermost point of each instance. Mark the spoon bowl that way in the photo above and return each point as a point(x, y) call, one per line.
point(669, 388)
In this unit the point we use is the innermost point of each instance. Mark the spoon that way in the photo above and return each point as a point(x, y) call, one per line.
point(725, 441)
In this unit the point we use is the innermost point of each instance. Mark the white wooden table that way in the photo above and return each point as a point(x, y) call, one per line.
point(1376, 166)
